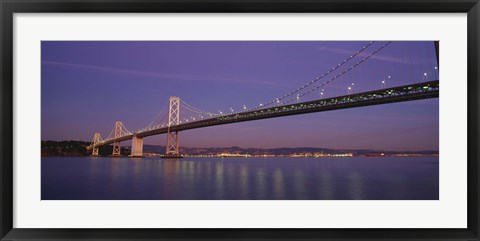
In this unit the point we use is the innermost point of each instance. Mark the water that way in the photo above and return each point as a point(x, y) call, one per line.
point(336, 178)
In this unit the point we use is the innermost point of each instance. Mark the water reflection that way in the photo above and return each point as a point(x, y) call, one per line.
point(260, 184)
point(240, 178)
point(219, 186)
point(244, 181)
point(355, 186)
point(278, 184)
point(115, 168)
point(326, 186)
point(299, 187)
point(170, 171)
point(137, 162)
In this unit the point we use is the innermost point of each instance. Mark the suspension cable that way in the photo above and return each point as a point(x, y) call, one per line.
point(276, 100)
point(125, 130)
point(111, 133)
point(163, 108)
point(341, 74)
point(186, 105)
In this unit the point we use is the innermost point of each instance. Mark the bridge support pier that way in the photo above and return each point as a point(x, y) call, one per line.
point(137, 147)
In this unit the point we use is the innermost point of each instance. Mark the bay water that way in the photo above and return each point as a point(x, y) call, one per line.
point(240, 178)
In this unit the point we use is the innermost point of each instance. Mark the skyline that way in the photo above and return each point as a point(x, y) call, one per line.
point(88, 85)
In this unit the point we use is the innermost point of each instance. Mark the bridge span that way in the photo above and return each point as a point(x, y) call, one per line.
point(424, 90)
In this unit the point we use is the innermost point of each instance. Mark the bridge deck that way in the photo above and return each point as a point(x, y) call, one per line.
point(418, 91)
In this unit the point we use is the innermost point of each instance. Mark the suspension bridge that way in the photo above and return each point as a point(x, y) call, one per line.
point(292, 103)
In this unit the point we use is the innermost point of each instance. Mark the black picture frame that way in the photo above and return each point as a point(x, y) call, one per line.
point(9, 7)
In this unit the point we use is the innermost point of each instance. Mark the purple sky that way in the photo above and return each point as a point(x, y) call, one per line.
point(88, 85)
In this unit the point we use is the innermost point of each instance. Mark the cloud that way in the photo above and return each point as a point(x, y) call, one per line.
point(378, 56)
point(110, 69)
point(180, 77)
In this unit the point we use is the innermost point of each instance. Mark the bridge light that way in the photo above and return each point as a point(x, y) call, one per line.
point(425, 74)
point(436, 67)
point(389, 76)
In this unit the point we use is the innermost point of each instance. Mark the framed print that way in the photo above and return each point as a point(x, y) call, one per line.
point(263, 120)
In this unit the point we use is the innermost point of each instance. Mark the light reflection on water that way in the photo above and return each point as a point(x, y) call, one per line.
point(362, 178)
point(278, 184)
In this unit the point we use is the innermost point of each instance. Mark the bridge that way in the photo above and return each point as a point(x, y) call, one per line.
point(286, 105)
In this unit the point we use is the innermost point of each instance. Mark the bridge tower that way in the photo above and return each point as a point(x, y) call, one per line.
point(96, 140)
point(173, 120)
point(118, 133)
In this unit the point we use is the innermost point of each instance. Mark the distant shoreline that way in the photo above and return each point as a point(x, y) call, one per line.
point(78, 149)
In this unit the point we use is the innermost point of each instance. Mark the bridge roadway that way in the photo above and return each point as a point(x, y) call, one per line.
point(424, 90)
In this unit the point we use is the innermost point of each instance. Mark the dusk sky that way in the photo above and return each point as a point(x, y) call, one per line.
point(88, 85)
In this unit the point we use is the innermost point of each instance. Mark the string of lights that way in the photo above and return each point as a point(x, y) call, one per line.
point(278, 100)
point(339, 75)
